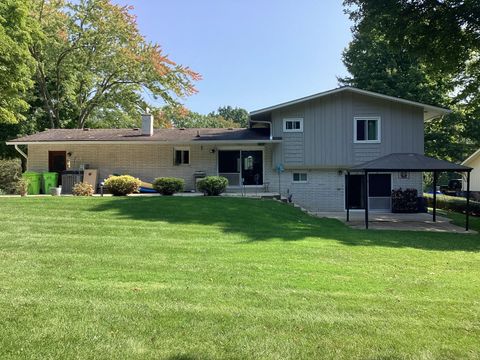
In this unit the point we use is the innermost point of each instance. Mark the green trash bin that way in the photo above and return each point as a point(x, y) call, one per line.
point(50, 179)
point(34, 181)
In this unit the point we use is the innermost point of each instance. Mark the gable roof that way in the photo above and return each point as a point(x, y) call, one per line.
point(187, 135)
point(409, 162)
point(430, 111)
point(471, 157)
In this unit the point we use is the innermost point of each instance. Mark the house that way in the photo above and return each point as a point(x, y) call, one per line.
point(302, 148)
point(474, 162)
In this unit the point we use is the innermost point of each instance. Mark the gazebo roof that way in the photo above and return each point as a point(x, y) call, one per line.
point(409, 162)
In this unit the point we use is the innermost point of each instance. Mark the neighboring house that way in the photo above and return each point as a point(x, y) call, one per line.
point(474, 162)
point(313, 139)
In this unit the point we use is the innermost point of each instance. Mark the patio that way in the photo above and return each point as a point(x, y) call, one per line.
point(396, 221)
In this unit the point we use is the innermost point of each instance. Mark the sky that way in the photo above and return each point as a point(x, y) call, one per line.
point(250, 53)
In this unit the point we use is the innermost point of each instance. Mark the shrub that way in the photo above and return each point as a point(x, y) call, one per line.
point(453, 203)
point(168, 185)
point(404, 201)
point(212, 185)
point(122, 185)
point(82, 189)
point(10, 174)
point(21, 187)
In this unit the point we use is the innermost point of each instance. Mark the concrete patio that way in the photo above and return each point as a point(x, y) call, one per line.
point(394, 221)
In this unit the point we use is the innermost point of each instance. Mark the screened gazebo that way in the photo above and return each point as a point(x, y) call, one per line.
point(407, 162)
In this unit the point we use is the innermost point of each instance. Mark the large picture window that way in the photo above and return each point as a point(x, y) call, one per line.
point(366, 129)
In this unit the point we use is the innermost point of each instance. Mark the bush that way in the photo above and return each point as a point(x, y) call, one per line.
point(168, 185)
point(404, 201)
point(213, 185)
point(453, 203)
point(10, 174)
point(122, 185)
point(82, 189)
point(21, 187)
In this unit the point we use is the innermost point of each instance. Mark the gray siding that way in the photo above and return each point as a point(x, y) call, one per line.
point(328, 131)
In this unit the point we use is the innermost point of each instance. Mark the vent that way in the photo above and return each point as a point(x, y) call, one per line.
point(86, 129)
point(181, 129)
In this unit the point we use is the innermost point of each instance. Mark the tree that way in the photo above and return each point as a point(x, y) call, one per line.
point(16, 63)
point(237, 115)
point(93, 61)
point(181, 117)
point(418, 50)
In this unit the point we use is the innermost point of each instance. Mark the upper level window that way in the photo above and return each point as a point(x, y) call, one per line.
point(181, 156)
point(293, 125)
point(366, 129)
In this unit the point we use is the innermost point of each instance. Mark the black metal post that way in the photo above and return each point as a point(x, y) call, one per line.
point(434, 196)
point(467, 214)
point(347, 195)
point(366, 199)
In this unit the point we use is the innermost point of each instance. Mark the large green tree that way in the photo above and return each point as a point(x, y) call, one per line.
point(425, 51)
point(181, 117)
point(16, 63)
point(235, 114)
point(94, 63)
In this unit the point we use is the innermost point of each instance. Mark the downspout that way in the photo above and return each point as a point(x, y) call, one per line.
point(21, 152)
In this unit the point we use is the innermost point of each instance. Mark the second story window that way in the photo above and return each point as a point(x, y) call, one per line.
point(293, 125)
point(366, 129)
point(182, 156)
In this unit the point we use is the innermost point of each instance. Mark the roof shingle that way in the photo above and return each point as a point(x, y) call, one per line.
point(135, 135)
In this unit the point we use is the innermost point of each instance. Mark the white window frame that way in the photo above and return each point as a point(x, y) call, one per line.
point(182, 148)
point(300, 181)
point(285, 120)
point(379, 129)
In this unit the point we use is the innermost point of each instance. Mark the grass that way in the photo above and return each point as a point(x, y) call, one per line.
point(459, 219)
point(223, 278)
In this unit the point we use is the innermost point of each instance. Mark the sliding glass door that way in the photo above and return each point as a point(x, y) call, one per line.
point(241, 166)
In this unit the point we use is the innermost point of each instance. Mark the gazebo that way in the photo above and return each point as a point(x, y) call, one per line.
point(409, 162)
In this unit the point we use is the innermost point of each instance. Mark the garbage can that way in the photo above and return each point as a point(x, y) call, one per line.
point(50, 180)
point(34, 181)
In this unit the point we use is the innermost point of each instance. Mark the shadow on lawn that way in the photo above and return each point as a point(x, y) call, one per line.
point(262, 220)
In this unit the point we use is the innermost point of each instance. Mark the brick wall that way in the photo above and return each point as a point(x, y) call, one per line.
point(143, 161)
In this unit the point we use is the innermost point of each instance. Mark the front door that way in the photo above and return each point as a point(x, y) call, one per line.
point(241, 166)
point(57, 162)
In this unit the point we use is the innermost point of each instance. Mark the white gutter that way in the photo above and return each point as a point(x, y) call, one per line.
point(19, 150)
point(264, 122)
point(152, 142)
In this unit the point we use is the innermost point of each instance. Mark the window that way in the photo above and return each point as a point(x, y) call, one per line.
point(366, 129)
point(293, 125)
point(181, 156)
point(300, 177)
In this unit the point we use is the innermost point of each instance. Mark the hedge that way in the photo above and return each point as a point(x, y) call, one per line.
point(122, 185)
point(453, 203)
point(168, 185)
point(212, 185)
point(10, 174)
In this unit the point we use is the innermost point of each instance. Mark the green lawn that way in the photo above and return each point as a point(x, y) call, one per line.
point(223, 278)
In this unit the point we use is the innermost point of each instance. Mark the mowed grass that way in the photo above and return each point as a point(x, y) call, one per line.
point(224, 278)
